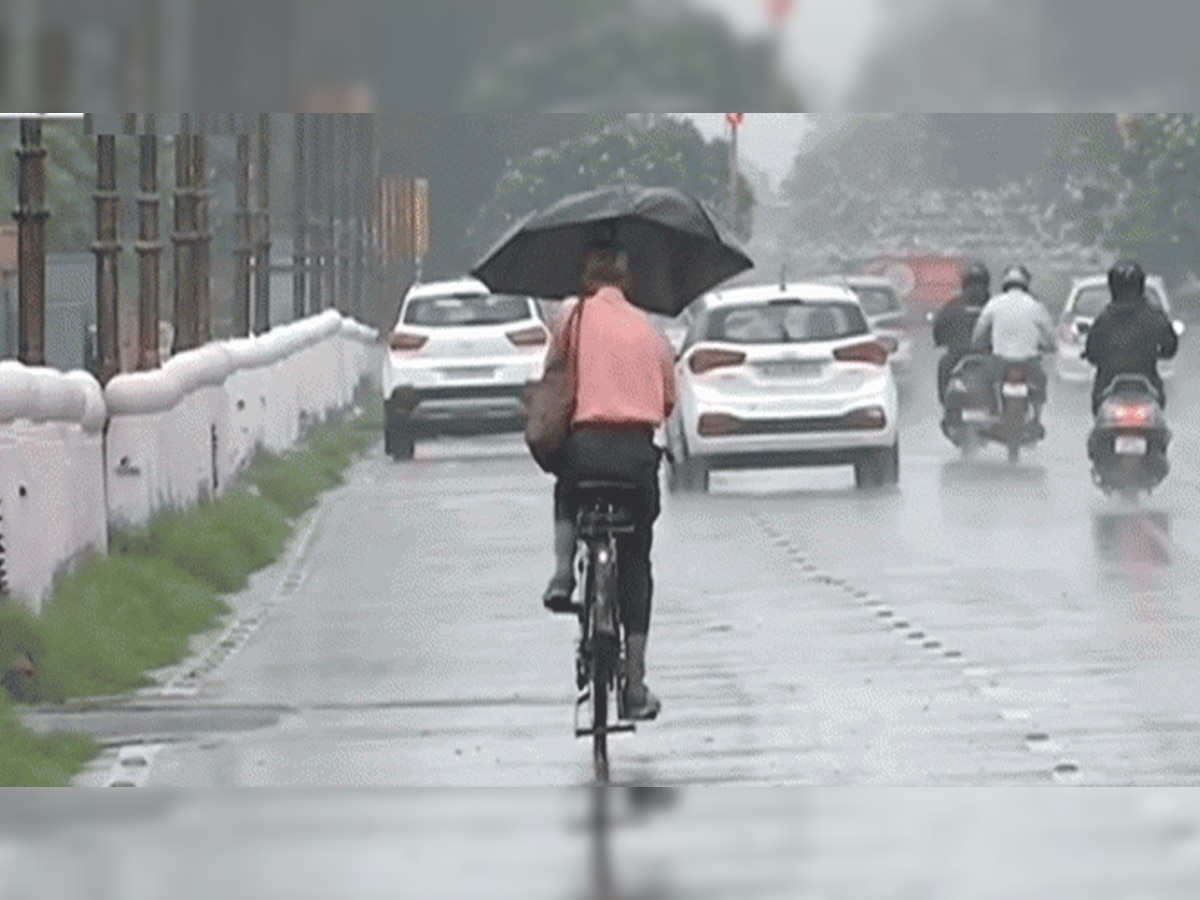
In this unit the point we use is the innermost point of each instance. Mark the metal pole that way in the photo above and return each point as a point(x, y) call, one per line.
point(243, 250)
point(149, 251)
point(300, 219)
point(316, 238)
point(184, 239)
point(203, 238)
point(329, 164)
point(107, 248)
point(262, 251)
point(344, 166)
point(358, 194)
point(31, 218)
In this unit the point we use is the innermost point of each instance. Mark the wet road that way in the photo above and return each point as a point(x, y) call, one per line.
point(984, 624)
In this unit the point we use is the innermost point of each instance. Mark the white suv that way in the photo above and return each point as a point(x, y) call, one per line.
point(459, 359)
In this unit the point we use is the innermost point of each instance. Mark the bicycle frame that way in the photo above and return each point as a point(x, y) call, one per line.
point(599, 662)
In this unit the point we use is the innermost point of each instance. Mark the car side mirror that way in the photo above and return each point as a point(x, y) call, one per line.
point(1179, 328)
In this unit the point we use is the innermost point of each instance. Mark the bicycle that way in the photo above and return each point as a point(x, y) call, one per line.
point(604, 515)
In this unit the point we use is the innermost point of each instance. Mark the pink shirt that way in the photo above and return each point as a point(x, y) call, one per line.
point(626, 367)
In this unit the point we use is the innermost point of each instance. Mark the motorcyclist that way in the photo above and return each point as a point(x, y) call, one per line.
point(955, 322)
point(1130, 336)
point(1018, 328)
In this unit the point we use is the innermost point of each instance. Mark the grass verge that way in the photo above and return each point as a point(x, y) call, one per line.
point(116, 617)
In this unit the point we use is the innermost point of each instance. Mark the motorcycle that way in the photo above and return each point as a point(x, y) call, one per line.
point(979, 411)
point(1128, 442)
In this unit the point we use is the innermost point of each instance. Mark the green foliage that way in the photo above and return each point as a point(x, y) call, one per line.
point(30, 760)
point(668, 153)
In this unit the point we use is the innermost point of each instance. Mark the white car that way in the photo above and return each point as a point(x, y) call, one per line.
point(1087, 299)
point(783, 375)
point(459, 360)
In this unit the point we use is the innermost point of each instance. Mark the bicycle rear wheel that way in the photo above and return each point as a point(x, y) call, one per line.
point(600, 683)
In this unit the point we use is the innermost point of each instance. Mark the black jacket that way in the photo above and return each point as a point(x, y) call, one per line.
point(1129, 338)
point(953, 325)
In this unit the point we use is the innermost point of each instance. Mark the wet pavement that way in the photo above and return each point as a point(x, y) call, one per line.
point(985, 624)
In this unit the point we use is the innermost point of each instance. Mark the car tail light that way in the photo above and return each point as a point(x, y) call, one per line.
point(1131, 415)
point(706, 360)
point(406, 340)
point(867, 352)
point(534, 336)
point(867, 417)
point(1016, 376)
point(890, 344)
point(718, 424)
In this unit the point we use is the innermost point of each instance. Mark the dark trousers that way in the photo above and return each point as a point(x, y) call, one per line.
point(946, 365)
point(630, 456)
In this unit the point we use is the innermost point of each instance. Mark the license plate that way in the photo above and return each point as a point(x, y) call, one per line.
point(1014, 390)
point(1128, 445)
point(975, 415)
point(791, 369)
point(469, 372)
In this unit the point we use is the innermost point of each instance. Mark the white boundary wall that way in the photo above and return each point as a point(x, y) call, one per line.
point(174, 436)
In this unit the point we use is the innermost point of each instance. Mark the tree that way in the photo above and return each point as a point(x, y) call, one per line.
point(669, 153)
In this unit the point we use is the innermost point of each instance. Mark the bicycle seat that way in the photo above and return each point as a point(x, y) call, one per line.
point(607, 504)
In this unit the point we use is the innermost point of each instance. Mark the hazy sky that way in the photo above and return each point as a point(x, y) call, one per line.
point(769, 140)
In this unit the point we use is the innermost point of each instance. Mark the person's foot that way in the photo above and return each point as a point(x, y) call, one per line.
point(557, 598)
point(641, 705)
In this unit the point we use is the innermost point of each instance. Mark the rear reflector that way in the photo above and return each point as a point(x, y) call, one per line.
point(867, 352)
point(529, 337)
point(1131, 415)
point(869, 417)
point(718, 424)
point(706, 360)
point(406, 340)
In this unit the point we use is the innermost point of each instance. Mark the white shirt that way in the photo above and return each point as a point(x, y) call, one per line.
point(1019, 326)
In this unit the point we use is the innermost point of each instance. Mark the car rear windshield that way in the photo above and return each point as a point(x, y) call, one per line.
point(785, 321)
point(877, 301)
point(1090, 301)
point(474, 309)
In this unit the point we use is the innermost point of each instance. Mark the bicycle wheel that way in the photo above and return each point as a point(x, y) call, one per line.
point(605, 652)
point(600, 682)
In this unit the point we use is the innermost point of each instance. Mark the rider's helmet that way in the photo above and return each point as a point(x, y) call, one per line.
point(1016, 276)
point(1127, 281)
point(976, 274)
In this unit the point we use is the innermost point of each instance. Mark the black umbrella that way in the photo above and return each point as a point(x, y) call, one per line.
point(678, 247)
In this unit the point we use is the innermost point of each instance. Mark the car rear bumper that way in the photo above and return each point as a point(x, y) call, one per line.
point(816, 439)
point(462, 408)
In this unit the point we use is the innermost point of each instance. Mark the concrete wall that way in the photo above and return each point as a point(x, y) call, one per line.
point(174, 436)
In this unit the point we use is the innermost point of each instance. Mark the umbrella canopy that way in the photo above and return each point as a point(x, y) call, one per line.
point(678, 247)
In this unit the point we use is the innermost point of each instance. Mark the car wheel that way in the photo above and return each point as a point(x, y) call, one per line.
point(689, 475)
point(878, 468)
point(398, 441)
point(700, 473)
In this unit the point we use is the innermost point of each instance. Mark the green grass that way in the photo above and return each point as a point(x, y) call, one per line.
point(119, 616)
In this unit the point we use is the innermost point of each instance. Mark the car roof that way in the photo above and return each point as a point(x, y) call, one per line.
point(862, 281)
point(808, 291)
point(448, 287)
point(1087, 281)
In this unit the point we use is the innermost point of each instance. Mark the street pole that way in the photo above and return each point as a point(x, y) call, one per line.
point(262, 247)
point(345, 172)
point(300, 219)
point(203, 238)
point(149, 249)
point(31, 218)
point(184, 238)
point(243, 250)
point(328, 182)
point(107, 248)
point(315, 238)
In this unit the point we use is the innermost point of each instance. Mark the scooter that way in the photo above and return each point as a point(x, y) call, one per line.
point(1128, 442)
point(978, 411)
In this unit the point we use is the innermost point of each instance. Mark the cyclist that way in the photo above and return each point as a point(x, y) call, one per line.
point(625, 390)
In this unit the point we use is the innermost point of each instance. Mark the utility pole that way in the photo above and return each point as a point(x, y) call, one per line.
point(107, 248)
point(31, 218)
point(149, 248)
point(300, 219)
point(262, 245)
point(243, 250)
